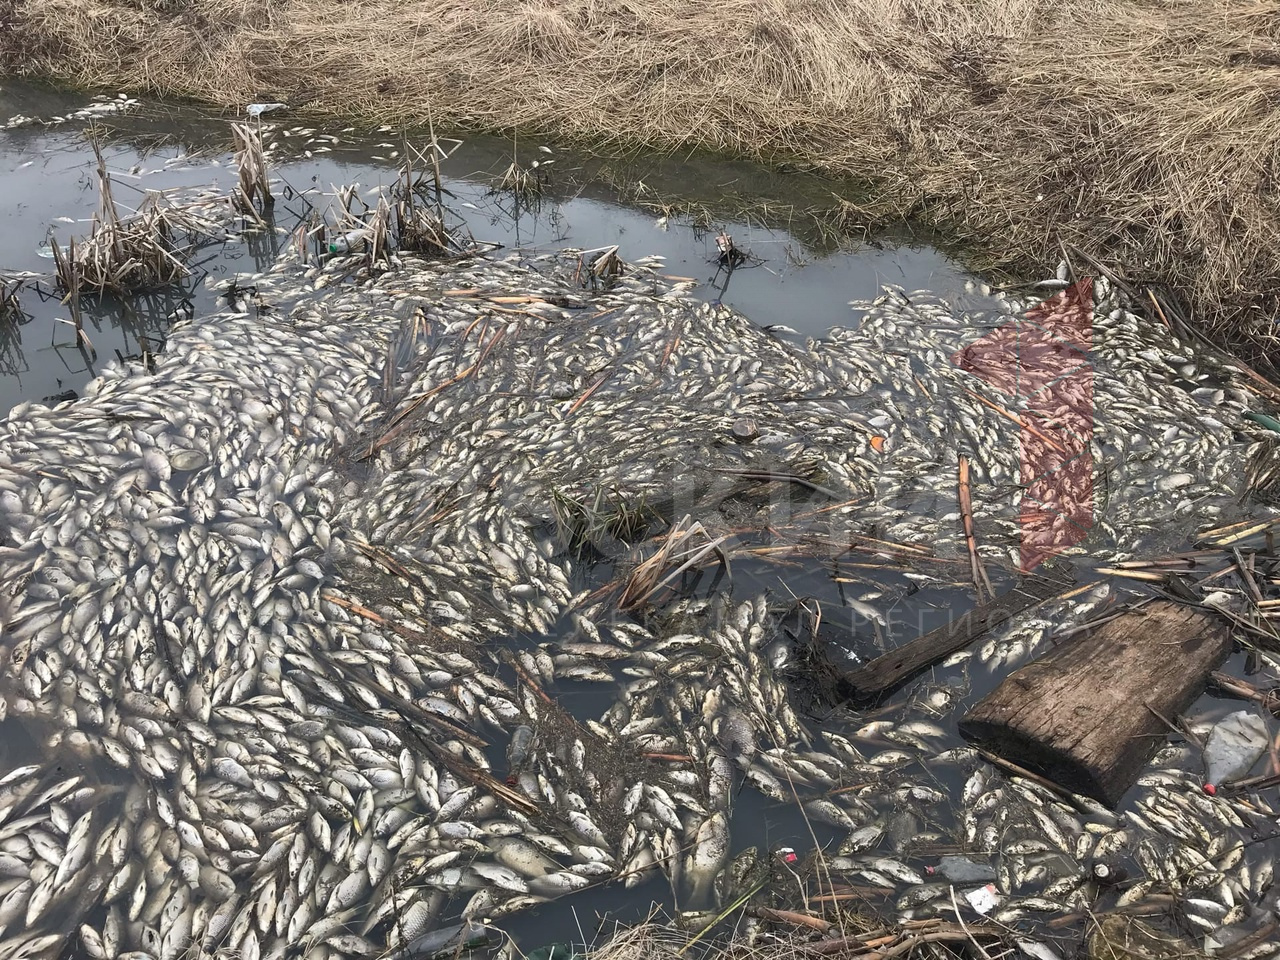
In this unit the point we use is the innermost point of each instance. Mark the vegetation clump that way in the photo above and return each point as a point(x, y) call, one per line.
point(1142, 132)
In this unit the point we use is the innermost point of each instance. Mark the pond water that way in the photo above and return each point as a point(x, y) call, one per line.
point(671, 208)
point(47, 175)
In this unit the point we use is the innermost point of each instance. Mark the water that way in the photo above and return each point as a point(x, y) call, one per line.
point(793, 280)
point(798, 283)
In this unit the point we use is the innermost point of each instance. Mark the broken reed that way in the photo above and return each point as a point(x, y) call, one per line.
point(677, 554)
point(252, 196)
point(10, 308)
point(123, 254)
point(11, 317)
point(413, 219)
point(521, 183)
point(381, 241)
point(524, 183)
point(420, 225)
point(69, 274)
point(357, 229)
point(598, 267)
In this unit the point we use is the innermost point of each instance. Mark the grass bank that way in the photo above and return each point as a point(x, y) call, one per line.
point(1142, 131)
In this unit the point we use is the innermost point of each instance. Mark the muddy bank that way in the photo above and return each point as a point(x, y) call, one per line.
point(1149, 141)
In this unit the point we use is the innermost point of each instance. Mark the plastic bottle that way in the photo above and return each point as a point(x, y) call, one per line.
point(349, 241)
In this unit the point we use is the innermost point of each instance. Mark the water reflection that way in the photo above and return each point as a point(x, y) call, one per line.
point(674, 208)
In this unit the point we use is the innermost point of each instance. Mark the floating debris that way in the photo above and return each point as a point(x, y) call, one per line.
point(252, 196)
point(128, 254)
point(10, 307)
point(1234, 745)
point(252, 605)
point(100, 106)
point(256, 110)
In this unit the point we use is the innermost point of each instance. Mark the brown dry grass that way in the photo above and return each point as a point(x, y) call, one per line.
point(1143, 131)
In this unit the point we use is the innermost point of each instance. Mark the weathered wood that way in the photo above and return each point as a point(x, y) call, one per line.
point(1088, 714)
point(887, 671)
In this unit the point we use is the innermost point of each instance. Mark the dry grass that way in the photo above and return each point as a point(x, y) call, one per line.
point(252, 195)
point(1142, 131)
point(660, 569)
point(1112, 937)
point(420, 222)
point(126, 253)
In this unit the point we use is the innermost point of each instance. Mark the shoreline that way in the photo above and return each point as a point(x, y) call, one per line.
point(1013, 130)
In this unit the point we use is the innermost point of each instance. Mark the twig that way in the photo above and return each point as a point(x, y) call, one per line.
point(789, 477)
point(1261, 935)
point(790, 916)
point(1242, 688)
point(822, 867)
point(1152, 904)
point(980, 579)
point(1180, 731)
point(589, 391)
point(1246, 574)
point(1016, 419)
point(746, 895)
point(854, 893)
point(965, 927)
point(1133, 574)
point(1159, 310)
point(1026, 774)
point(1241, 535)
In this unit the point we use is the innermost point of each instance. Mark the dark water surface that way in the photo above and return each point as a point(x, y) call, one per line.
point(673, 208)
point(48, 184)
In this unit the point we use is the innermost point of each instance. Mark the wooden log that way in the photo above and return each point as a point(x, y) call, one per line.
point(1088, 714)
point(887, 671)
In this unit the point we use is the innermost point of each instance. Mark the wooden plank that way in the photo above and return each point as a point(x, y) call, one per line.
point(1088, 714)
point(887, 671)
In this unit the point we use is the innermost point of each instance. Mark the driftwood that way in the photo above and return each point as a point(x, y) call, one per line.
point(886, 672)
point(1090, 714)
point(1269, 700)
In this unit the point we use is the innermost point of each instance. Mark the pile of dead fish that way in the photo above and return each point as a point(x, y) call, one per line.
point(266, 609)
point(99, 107)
